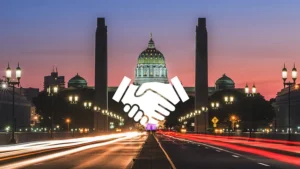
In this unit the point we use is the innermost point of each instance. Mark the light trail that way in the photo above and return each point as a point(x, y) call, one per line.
point(279, 157)
point(63, 153)
point(267, 145)
point(253, 139)
point(40, 143)
point(270, 144)
point(23, 151)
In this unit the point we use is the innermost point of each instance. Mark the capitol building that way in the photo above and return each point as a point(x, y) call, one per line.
point(152, 67)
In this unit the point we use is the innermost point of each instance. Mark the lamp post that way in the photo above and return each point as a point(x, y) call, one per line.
point(233, 120)
point(87, 105)
point(97, 110)
point(197, 112)
point(205, 110)
point(252, 94)
point(215, 105)
point(52, 92)
point(228, 99)
point(105, 112)
point(73, 100)
point(68, 122)
point(289, 84)
point(13, 84)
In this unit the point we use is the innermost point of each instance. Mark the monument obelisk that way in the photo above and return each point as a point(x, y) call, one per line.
point(201, 76)
point(100, 121)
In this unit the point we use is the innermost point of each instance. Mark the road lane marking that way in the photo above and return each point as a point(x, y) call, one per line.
point(264, 164)
point(221, 149)
point(169, 159)
point(198, 145)
point(206, 147)
point(235, 156)
point(217, 148)
point(218, 151)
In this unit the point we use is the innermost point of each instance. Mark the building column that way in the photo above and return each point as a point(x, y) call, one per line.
point(201, 75)
point(101, 73)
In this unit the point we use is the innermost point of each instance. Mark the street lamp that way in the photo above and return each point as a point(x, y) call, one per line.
point(68, 122)
point(228, 99)
point(252, 94)
point(87, 105)
point(253, 89)
point(97, 110)
point(73, 99)
point(205, 110)
point(12, 84)
point(52, 91)
point(247, 91)
point(233, 120)
point(3, 85)
point(106, 112)
point(289, 84)
point(215, 105)
point(196, 112)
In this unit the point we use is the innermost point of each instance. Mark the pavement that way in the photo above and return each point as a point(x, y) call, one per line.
point(151, 156)
point(187, 154)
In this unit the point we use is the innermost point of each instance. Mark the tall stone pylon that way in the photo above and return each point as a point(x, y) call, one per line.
point(100, 121)
point(201, 76)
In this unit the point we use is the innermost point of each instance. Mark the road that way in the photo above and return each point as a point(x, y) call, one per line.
point(117, 151)
point(118, 154)
point(187, 154)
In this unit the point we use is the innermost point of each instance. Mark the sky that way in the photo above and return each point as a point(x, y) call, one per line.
point(249, 41)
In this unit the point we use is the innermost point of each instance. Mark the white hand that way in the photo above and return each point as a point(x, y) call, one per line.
point(165, 90)
point(148, 107)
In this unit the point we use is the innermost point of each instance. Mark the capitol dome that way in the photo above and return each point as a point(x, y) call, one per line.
point(77, 82)
point(151, 55)
point(151, 66)
point(224, 82)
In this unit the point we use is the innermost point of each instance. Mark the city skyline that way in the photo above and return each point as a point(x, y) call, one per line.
point(248, 42)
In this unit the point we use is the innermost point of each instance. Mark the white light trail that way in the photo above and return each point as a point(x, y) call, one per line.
point(46, 145)
point(60, 154)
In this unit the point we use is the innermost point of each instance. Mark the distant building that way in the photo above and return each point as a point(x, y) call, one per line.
point(22, 109)
point(281, 106)
point(54, 79)
point(29, 93)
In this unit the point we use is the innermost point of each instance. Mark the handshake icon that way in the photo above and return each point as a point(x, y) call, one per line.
point(151, 102)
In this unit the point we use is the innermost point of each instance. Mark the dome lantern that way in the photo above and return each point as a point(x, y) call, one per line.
point(151, 44)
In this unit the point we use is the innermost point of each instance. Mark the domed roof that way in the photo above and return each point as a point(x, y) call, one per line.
point(224, 79)
point(224, 82)
point(77, 82)
point(6, 97)
point(151, 55)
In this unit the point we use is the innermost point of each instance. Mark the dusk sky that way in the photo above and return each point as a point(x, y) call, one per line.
point(248, 40)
